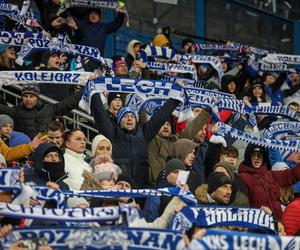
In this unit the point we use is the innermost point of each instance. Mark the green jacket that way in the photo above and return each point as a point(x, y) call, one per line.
point(160, 147)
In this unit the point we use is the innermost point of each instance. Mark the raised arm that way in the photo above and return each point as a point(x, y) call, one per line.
point(103, 123)
point(158, 119)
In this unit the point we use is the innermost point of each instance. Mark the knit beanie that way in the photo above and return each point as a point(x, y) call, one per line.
point(126, 178)
point(112, 96)
point(182, 147)
point(173, 165)
point(4, 119)
point(97, 139)
point(30, 88)
point(216, 180)
point(105, 171)
point(228, 167)
point(159, 40)
point(126, 110)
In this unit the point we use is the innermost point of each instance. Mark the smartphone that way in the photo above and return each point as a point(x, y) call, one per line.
point(43, 133)
point(182, 177)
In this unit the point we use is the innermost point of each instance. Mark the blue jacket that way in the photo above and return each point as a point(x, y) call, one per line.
point(95, 33)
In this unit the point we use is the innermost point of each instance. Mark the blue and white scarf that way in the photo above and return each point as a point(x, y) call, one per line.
point(57, 45)
point(153, 51)
point(271, 67)
point(101, 214)
point(188, 82)
point(277, 128)
point(282, 58)
point(210, 216)
point(128, 85)
point(57, 77)
point(46, 194)
point(100, 238)
point(112, 4)
point(268, 108)
point(224, 129)
point(9, 179)
point(232, 240)
point(171, 67)
point(188, 197)
point(11, 38)
point(222, 47)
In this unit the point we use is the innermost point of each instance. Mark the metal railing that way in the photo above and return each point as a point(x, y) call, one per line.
point(75, 119)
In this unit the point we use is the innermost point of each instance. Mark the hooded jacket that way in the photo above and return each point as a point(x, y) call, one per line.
point(264, 185)
point(54, 172)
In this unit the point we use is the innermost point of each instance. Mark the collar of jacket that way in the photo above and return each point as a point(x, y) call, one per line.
point(74, 154)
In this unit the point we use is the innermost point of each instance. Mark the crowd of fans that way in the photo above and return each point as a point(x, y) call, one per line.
point(134, 151)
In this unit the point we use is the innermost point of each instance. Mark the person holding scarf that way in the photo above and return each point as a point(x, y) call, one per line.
point(264, 185)
point(129, 140)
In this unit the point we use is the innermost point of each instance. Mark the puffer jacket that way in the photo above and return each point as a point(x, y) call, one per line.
point(35, 120)
point(291, 217)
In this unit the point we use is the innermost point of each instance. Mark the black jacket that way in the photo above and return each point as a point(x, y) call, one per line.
point(130, 148)
point(39, 174)
point(35, 120)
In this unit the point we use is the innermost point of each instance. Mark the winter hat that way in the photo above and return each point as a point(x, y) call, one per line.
point(216, 180)
point(113, 96)
point(126, 178)
point(30, 88)
point(97, 139)
point(131, 45)
point(105, 171)
point(4, 119)
point(250, 150)
point(173, 165)
point(182, 147)
point(126, 110)
point(228, 167)
point(159, 40)
point(117, 60)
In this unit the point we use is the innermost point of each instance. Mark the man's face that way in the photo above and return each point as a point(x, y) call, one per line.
point(6, 130)
point(53, 62)
point(55, 137)
point(94, 17)
point(172, 177)
point(222, 194)
point(121, 70)
point(269, 80)
point(165, 130)
point(123, 185)
point(228, 158)
point(51, 157)
point(257, 159)
point(201, 134)
point(295, 77)
point(29, 100)
point(128, 121)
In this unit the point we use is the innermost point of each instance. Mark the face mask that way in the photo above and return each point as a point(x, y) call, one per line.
point(55, 170)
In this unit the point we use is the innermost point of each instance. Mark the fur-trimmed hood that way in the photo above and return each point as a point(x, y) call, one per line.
point(201, 195)
point(90, 182)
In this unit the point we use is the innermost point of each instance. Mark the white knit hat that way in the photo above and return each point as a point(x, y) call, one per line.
point(96, 141)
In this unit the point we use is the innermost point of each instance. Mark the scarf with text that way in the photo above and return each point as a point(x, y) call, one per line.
point(9, 179)
point(208, 216)
point(282, 58)
point(276, 128)
point(19, 38)
point(56, 77)
point(100, 238)
point(219, 239)
point(224, 129)
point(188, 82)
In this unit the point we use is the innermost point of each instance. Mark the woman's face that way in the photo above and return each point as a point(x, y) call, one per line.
point(103, 147)
point(231, 87)
point(189, 159)
point(257, 92)
point(257, 160)
point(77, 142)
point(10, 53)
